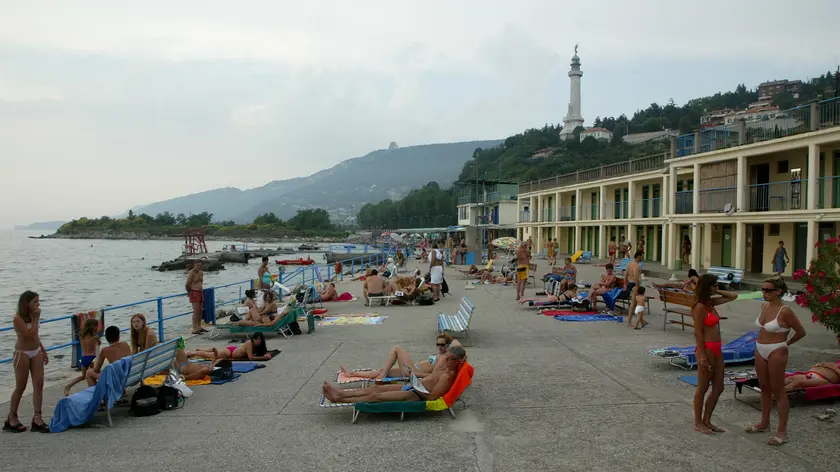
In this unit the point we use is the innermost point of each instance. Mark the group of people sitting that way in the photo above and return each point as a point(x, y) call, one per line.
point(485, 275)
point(436, 373)
point(405, 288)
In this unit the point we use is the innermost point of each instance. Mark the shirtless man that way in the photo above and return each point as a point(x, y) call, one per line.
point(632, 279)
point(606, 284)
point(437, 383)
point(329, 294)
point(374, 285)
point(264, 274)
point(523, 258)
point(611, 250)
point(195, 291)
point(114, 351)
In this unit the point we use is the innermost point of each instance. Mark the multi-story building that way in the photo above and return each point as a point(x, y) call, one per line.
point(735, 191)
point(768, 90)
point(602, 134)
point(487, 209)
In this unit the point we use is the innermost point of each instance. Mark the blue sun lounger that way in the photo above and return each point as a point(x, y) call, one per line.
point(734, 352)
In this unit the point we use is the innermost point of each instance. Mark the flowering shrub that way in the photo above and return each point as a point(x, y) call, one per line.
point(822, 286)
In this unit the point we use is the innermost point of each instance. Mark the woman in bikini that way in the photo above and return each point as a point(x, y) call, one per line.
point(709, 350)
point(254, 349)
point(825, 373)
point(689, 286)
point(400, 356)
point(569, 275)
point(266, 316)
point(550, 299)
point(771, 355)
point(142, 337)
point(30, 357)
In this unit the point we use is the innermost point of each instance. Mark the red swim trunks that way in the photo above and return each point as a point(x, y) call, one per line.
point(195, 296)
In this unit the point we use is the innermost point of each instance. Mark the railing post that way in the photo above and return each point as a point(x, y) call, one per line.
point(160, 318)
point(696, 142)
point(815, 116)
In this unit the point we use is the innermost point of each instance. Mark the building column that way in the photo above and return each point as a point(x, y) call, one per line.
point(696, 197)
point(602, 198)
point(578, 204)
point(653, 244)
point(741, 186)
point(695, 247)
point(664, 197)
point(602, 240)
point(811, 240)
point(532, 210)
point(669, 245)
point(740, 244)
point(577, 238)
point(630, 204)
point(706, 234)
point(631, 235)
point(813, 175)
point(672, 192)
point(556, 210)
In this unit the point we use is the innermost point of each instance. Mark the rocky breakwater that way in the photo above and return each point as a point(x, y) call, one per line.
point(215, 260)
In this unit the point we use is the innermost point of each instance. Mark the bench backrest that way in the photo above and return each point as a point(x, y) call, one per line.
point(466, 308)
point(723, 273)
point(151, 361)
point(677, 298)
point(532, 268)
point(622, 265)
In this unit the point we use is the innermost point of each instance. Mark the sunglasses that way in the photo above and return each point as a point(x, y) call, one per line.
point(768, 290)
point(440, 345)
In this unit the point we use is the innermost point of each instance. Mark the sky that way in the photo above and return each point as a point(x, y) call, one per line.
point(105, 105)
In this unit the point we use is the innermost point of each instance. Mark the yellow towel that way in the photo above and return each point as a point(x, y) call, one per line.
point(157, 381)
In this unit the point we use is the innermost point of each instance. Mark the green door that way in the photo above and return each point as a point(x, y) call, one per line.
point(571, 239)
point(726, 246)
point(596, 245)
point(649, 243)
point(645, 200)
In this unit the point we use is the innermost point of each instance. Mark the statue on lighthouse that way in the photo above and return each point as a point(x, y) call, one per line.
point(573, 118)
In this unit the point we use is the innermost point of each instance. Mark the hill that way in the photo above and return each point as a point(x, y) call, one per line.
point(341, 189)
point(41, 226)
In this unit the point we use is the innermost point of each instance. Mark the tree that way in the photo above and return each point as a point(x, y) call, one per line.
point(311, 219)
point(130, 215)
point(267, 219)
point(784, 101)
point(180, 219)
point(165, 219)
point(685, 125)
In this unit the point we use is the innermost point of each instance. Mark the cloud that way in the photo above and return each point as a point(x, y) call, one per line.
point(107, 105)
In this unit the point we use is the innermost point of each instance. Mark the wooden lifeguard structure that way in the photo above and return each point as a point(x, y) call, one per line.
point(194, 242)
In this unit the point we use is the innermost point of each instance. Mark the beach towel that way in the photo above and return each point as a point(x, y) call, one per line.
point(567, 313)
point(344, 297)
point(157, 381)
point(577, 317)
point(741, 349)
point(751, 296)
point(224, 381)
point(243, 367)
point(79, 408)
point(610, 297)
point(351, 320)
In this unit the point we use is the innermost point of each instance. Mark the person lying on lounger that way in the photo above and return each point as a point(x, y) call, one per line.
point(550, 299)
point(400, 357)
point(193, 370)
point(254, 349)
point(437, 383)
point(688, 286)
point(267, 315)
point(826, 373)
point(472, 270)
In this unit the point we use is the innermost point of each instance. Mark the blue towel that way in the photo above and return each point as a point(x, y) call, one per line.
point(224, 381)
point(609, 297)
point(79, 408)
point(735, 351)
point(241, 367)
point(584, 317)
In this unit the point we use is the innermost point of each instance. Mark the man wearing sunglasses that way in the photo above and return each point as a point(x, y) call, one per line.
point(404, 365)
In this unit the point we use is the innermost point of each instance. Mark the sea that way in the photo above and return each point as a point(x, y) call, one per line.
point(80, 275)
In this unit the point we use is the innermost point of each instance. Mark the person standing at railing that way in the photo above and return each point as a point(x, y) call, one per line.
point(264, 274)
point(30, 357)
point(195, 292)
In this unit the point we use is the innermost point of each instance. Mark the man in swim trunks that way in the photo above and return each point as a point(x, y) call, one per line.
point(437, 383)
point(632, 279)
point(329, 294)
point(195, 291)
point(523, 259)
point(607, 283)
point(374, 286)
point(114, 351)
point(611, 250)
point(436, 271)
point(826, 373)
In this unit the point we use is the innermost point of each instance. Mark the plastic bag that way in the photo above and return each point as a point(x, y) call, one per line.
point(176, 380)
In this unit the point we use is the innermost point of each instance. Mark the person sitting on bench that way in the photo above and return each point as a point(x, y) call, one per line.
point(374, 286)
point(688, 286)
point(437, 384)
point(565, 297)
point(114, 351)
point(400, 357)
point(606, 284)
point(826, 373)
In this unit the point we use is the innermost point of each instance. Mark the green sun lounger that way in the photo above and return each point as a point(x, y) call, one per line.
point(280, 326)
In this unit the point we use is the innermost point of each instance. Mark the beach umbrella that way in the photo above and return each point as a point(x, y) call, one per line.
point(396, 237)
point(506, 243)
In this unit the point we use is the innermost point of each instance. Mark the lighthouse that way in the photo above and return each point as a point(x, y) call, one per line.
point(573, 118)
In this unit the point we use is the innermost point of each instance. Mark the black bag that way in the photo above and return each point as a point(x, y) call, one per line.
point(295, 327)
point(144, 402)
point(444, 287)
point(170, 398)
point(425, 299)
point(223, 370)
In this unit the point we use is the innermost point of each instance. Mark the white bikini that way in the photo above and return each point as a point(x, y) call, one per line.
point(773, 326)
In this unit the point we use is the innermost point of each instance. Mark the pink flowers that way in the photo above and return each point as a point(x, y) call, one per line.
point(799, 274)
point(823, 298)
point(822, 285)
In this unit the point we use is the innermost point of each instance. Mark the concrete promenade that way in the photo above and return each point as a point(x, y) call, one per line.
point(547, 396)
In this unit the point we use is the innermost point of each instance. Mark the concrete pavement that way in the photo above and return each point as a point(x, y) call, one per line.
point(547, 395)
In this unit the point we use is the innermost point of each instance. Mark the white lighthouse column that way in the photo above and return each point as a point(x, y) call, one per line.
point(574, 118)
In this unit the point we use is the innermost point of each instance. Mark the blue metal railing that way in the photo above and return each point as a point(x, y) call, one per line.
point(306, 275)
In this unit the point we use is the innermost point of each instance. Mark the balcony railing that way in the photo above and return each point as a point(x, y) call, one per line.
point(490, 197)
point(524, 216)
point(829, 192)
point(634, 166)
point(547, 215)
point(567, 213)
point(647, 208)
point(615, 211)
point(482, 220)
point(713, 200)
point(590, 212)
point(777, 196)
point(683, 203)
point(801, 119)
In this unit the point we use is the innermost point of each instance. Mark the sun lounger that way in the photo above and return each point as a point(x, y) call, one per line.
point(383, 300)
point(446, 402)
point(803, 395)
point(735, 351)
point(344, 379)
point(280, 325)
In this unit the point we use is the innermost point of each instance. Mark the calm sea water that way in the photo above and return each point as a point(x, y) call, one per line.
point(74, 276)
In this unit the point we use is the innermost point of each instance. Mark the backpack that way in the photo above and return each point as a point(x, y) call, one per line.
point(444, 287)
point(223, 370)
point(144, 402)
point(170, 398)
point(425, 299)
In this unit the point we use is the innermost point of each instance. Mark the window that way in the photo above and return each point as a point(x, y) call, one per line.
point(774, 229)
point(462, 213)
point(782, 167)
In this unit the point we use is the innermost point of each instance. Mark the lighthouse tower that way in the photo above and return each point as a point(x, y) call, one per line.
point(573, 118)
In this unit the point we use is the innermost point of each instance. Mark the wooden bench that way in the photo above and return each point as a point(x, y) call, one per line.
point(459, 323)
point(727, 275)
point(681, 304)
point(144, 364)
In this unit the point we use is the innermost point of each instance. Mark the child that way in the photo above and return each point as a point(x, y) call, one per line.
point(90, 342)
point(640, 308)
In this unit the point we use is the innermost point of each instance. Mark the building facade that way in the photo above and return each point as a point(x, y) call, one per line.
point(487, 209)
point(602, 134)
point(735, 191)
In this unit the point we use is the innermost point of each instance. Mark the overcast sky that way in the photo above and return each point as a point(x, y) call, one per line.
point(109, 104)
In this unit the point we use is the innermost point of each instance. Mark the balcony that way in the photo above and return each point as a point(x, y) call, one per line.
point(486, 198)
point(647, 208)
point(547, 215)
point(524, 216)
point(481, 220)
point(567, 213)
point(615, 210)
point(829, 192)
point(634, 166)
point(777, 196)
point(590, 212)
point(714, 199)
point(683, 203)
